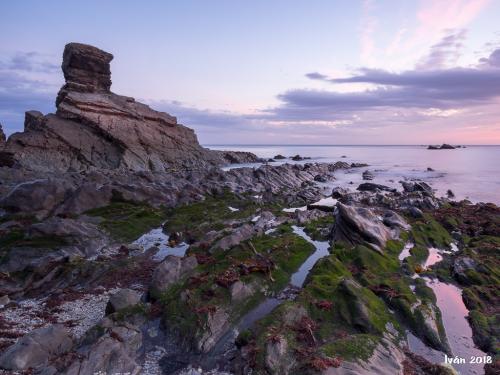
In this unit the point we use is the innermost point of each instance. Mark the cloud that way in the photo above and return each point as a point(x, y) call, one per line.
point(446, 52)
point(29, 62)
point(493, 60)
point(18, 95)
point(442, 88)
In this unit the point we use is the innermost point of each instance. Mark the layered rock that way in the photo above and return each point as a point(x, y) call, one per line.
point(94, 128)
point(358, 225)
point(2, 137)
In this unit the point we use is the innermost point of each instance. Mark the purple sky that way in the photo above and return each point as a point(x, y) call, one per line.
point(281, 72)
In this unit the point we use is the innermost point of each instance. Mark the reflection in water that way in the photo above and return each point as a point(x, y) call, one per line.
point(405, 253)
point(158, 238)
point(459, 333)
point(433, 258)
point(322, 247)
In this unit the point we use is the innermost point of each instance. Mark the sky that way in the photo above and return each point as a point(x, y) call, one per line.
point(274, 72)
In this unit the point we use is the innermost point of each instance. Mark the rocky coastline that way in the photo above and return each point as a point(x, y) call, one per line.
point(125, 248)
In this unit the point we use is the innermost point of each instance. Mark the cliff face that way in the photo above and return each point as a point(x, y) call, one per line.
point(94, 128)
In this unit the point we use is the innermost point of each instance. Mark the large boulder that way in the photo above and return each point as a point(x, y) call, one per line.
point(122, 299)
point(40, 197)
point(171, 270)
point(358, 225)
point(36, 348)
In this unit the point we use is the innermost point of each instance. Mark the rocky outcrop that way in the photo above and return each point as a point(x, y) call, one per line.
point(171, 270)
point(94, 128)
point(444, 146)
point(2, 137)
point(122, 299)
point(358, 225)
point(36, 348)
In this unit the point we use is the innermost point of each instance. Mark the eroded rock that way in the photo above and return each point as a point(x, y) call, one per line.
point(36, 348)
point(358, 225)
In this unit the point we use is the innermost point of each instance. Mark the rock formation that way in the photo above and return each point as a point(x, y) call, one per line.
point(94, 128)
point(2, 137)
point(358, 225)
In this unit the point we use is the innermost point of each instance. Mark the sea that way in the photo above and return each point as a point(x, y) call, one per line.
point(472, 172)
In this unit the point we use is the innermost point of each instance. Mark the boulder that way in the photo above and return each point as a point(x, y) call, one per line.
point(114, 351)
point(359, 313)
point(122, 299)
point(393, 220)
point(369, 186)
point(358, 225)
point(303, 217)
point(415, 212)
point(367, 175)
point(240, 234)
point(171, 270)
point(240, 291)
point(40, 197)
point(278, 360)
point(411, 187)
point(36, 348)
point(279, 157)
point(216, 325)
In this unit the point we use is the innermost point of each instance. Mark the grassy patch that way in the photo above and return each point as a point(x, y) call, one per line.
point(354, 347)
point(126, 221)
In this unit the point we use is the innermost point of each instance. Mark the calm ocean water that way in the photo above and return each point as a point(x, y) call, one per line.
point(472, 172)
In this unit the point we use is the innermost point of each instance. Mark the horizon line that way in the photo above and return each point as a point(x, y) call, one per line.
point(335, 145)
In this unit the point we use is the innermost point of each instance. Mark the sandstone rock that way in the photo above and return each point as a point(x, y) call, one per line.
point(96, 129)
point(114, 352)
point(240, 291)
point(239, 235)
point(85, 236)
point(357, 225)
point(36, 348)
point(411, 187)
point(2, 137)
point(33, 121)
point(428, 322)
point(39, 196)
point(86, 68)
point(387, 359)
point(277, 360)
point(122, 299)
point(306, 216)
point(216, 325)
point(369, 186)
point(357, 304)
point(367, 175)
point(170, 270)
point(393, 220)
point(415, 212)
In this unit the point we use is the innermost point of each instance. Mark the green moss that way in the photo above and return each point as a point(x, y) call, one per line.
point(485, 331)
point(126, 221)
point(316, 229)
point(19, 239)
point(430, 233)
point(185, 304)
point(424, 292)
point(127, 312)
point(354, 347)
